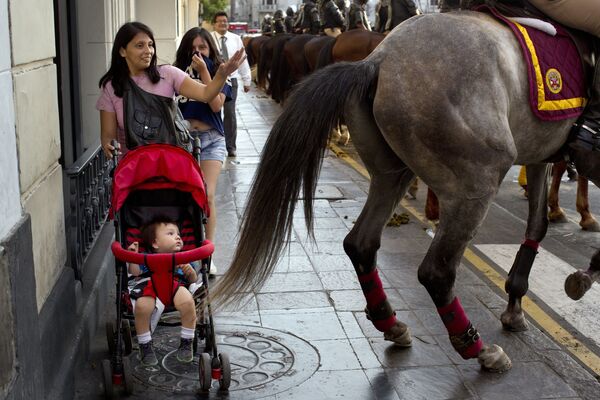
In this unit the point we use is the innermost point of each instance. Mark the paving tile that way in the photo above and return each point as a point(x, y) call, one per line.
point(424, 352)
point(530, 380)
point(308, 326)
point(292, 300)
point(416, 297)
point(237, 317)
point(365, 354)
point(336, 355)
point(354, 300)
point(350, 326)
point(408, 261)
point(381, 384)
point(579, 379)
point(339, 280)
point(487, 296)
point(429, 383)
point(320, 223)
point(325, 262)
point(293, 264)
point(292, 282)
point(332, 248)
point(400, 277)
point(326, 385)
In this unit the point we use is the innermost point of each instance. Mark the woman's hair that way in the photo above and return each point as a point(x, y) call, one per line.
point(118, 73)
point(183, 57)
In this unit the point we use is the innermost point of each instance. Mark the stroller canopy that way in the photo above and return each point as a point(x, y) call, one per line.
point(158, 166)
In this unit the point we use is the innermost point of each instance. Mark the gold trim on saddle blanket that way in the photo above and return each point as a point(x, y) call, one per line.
point(543, 104)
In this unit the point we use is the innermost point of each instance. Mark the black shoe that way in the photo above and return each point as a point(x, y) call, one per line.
point(185, 354)
point(231, 153)
point(587, 135)
point(147, 356)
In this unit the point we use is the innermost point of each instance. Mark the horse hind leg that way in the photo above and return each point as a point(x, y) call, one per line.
point(390, 178)
point(458, 223)
point(587, 222)
point(513, 318)
point(555, 213)
point(362, 243)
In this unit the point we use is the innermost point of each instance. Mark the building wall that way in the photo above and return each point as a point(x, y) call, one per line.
point(10, 212)
point(38, 136)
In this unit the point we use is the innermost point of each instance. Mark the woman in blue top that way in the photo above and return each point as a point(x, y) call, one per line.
point(205, 118)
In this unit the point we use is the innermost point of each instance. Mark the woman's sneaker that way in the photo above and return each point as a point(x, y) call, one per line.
point(212, 271)
point(147, 356)
point(185, 353)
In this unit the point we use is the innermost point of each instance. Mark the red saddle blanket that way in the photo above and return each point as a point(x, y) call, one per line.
point(557, 85)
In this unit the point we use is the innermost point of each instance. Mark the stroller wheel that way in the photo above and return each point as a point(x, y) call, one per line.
point(127, 339)
point(127, 376)
point(109, 389)
point(225, 380)
point(205, 371)
point(110, 337)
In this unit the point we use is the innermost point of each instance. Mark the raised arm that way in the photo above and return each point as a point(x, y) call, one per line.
point(205, 93)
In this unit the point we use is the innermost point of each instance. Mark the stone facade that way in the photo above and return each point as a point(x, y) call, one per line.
point(48, 93)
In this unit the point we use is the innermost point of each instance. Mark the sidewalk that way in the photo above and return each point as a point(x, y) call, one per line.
point(306, 336)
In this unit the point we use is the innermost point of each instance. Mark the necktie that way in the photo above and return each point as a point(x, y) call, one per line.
point(224, 53)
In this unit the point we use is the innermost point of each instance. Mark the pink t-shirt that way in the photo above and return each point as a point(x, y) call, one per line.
point(170, 81)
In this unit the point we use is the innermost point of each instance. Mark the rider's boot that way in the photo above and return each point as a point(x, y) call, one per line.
point(590, 120)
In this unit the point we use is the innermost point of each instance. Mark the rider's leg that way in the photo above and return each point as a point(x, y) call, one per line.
point(591, 114)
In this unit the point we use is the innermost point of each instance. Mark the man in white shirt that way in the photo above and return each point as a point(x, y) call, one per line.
point(228, 43)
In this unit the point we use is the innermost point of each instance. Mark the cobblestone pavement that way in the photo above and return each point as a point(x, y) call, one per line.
point(306, 336)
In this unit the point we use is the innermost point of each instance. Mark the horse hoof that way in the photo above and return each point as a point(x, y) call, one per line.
point(514, 322)
point(590, 226)
point(494, 359)
point(557, 217)
point(399, 334)
point(577, 284)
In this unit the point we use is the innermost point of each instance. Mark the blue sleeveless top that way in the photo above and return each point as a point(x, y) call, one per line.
point(199, 110)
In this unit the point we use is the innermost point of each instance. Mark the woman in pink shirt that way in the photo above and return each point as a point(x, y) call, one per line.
point(134, 56)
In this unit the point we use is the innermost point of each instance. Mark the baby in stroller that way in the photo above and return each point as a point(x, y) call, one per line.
point(162, 236)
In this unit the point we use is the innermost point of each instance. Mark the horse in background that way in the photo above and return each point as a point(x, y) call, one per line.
point(460, 130)
point(313, 48)
point(253, 46)
point(290, 65)
point(352, 45)
point(264, 67)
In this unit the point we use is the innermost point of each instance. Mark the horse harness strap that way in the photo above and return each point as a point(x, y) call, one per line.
point(466, 339)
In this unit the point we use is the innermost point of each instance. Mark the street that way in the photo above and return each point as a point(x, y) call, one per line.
point(305, 334)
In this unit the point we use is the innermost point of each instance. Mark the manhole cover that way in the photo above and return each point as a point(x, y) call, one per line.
point(263, 361)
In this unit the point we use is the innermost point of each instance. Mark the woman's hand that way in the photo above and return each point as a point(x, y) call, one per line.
point(109, 149)
point(198, 64)
point(135, 247)
point(229, 67)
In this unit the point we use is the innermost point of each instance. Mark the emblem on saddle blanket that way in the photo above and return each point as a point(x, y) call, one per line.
point(557, 87)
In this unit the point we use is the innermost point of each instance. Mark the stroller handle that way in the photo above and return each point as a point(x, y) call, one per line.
point(182, 257)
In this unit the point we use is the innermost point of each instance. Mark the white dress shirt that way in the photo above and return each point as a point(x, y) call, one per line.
point(234, 43)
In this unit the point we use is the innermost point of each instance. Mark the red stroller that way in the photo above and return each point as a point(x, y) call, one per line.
point(165, 179)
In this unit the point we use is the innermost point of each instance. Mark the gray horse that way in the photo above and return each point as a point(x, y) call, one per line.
point(445, 97)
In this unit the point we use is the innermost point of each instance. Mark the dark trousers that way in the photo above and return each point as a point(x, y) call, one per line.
point(229, 119)
point(592, 110)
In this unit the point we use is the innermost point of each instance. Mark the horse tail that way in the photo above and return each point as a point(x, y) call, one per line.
point(279, 70)
point(249, 55)
point(291, 160)
point(262, 68)
point(325, 55)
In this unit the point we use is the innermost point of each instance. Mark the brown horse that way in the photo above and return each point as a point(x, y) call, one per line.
point(313, 48)
point(556, 214)
point(290, 65)
point(352, 45)
point(264, 67)
point(253, 45)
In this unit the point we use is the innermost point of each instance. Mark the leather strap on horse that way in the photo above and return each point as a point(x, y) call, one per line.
point(465, 340)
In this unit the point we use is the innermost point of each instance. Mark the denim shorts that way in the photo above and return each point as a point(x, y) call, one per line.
point(212, 143)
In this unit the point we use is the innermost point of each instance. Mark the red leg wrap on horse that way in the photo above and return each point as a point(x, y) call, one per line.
point(457, 323)
point(531, 243)
point(374, 294)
